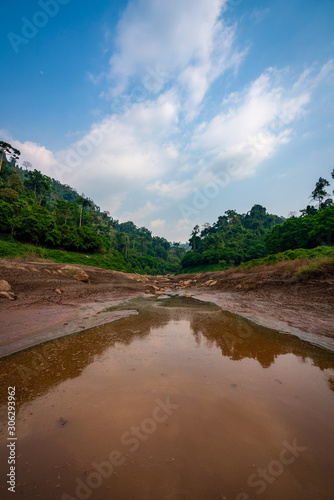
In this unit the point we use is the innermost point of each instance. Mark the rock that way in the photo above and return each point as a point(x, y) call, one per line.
point(58, 291)
point(213, 283)
point(76, 273)
point(8, 295)
point(188, 295)
point(147, 291)
point(81, 277)
point(4, 286)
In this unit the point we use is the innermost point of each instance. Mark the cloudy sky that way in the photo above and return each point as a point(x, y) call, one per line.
point(168, 113)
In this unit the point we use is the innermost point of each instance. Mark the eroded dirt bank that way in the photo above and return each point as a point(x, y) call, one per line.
point(44, 300)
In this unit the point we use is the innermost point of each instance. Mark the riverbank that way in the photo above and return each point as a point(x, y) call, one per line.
point(40, 301)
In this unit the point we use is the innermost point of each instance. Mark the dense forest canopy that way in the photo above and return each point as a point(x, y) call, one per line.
point(37, 209)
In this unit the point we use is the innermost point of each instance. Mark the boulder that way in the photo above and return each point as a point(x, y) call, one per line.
point(4, 286)
point(82, 277)
point(76, 273)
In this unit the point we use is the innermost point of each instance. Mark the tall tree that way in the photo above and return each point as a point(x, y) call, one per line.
point(83, 203)
point(320, 192)
point(8, 150)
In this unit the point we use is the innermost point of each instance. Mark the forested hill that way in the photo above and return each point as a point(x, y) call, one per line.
point(37, 209)
point(233, 239)
point(237, 238)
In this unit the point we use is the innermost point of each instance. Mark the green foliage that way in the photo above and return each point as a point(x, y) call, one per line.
point(233, 239)
point(6, 213)
point(319, 252)
point(14, 249)
point(42, 211)
point(302, 232)
point(320, 192)
point(7, 149)
point(38, 183)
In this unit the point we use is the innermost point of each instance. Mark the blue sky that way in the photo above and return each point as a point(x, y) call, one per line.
point(170, 113)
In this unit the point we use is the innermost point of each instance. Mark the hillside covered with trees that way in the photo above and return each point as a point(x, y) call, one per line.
point(238, 238)
point(41, 211)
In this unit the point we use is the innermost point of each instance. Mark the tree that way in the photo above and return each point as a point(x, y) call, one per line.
point(309, 210)
point(194, 237)
point(83, 203)
point(8, 150)
point(64, 209)
point(319, 192)
point(38, 183)
point(9, 195)
point(27, 165)
point(14, 182)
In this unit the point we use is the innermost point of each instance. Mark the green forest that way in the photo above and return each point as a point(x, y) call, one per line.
point(41, 211)
point(238, 238)
point(61, 224)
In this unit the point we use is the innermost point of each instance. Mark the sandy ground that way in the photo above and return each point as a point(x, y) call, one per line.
point(52, 300)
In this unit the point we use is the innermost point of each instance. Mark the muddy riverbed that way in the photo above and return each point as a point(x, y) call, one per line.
point(179, 401)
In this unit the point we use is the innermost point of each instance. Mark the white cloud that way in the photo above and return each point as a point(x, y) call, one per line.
point(182, 41)
point(141, 213)
point(157, 224)
point(39, 156)
point(251, 126)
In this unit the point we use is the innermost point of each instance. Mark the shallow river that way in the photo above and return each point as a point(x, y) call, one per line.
point(183, 401)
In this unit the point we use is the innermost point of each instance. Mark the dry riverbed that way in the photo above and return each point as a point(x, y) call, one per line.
point(44, 300)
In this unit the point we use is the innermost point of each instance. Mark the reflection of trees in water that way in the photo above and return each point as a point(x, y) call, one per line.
point(35, 371)
point(238, 338)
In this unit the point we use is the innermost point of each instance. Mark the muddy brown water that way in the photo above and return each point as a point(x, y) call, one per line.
point(182, 401)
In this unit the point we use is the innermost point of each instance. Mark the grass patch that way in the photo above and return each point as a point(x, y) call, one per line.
point(12, 249)
point(319, 268)
point(303, 263)
point(299, 253)
point(205, 268)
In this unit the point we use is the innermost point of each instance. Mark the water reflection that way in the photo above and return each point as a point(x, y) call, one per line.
point(49, 364)
point(240, 390)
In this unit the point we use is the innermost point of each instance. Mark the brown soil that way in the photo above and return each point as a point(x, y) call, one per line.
point(54, 299)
